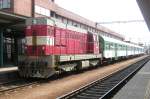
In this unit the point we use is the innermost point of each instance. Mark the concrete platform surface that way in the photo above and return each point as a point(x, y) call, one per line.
point(7, 69)
point(138, 87)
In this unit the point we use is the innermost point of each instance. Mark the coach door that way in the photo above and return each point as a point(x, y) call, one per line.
point(116, 49)
point(101, 45)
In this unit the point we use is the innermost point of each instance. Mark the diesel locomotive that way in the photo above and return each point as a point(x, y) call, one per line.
point(52, 46)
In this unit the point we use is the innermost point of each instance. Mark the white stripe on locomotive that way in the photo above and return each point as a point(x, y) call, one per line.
point(41, 40)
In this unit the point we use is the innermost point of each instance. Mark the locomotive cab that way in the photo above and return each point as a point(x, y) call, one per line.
point(39, 40)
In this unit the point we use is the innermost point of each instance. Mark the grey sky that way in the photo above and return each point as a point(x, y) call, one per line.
point(111, 10)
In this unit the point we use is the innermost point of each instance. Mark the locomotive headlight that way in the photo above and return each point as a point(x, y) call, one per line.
point(43, 48)
point(25, 47)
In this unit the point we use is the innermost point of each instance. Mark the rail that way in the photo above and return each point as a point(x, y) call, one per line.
point(106, 87)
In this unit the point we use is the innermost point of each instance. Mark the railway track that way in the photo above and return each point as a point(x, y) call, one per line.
point(8, 76)
point(16, 84)
point(108, 86)
point(11, 80)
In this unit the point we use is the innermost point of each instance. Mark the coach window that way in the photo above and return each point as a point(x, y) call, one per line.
point(110, 46)
point(107, 46)
point(113, 46)
point(124, 47)
point(120, 47)
point(129, 48)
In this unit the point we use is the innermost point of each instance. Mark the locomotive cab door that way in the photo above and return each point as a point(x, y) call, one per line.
point(90, 42)
point(101, 45)
point(116, 50)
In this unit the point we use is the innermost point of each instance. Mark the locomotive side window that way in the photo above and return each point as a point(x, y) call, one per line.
point(63, 37)
point(57, 37)
point(50, 31)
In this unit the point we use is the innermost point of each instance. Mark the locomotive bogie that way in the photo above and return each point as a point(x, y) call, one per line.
point(37, 66)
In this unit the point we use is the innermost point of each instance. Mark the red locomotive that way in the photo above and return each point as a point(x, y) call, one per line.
point(52, 46)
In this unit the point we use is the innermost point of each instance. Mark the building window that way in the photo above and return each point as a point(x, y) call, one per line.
point(69, 22)
point(53, 14)
point(59, 18)
point(82, 26)
point(42, 11)
point(4, 4)
point(65, 20)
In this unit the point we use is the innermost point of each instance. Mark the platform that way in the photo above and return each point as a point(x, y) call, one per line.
point(138, 87)
point(8, 69)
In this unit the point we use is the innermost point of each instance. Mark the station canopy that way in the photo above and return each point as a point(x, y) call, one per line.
point(144, 6)
point(9, 20)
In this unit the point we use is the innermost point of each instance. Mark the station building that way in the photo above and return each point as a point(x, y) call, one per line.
point(13, 14)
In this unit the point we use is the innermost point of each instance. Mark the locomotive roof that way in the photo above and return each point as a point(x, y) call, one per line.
point(53, 22)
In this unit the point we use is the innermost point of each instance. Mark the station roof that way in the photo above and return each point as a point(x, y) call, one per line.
point(10, 20)
point(144, 6)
